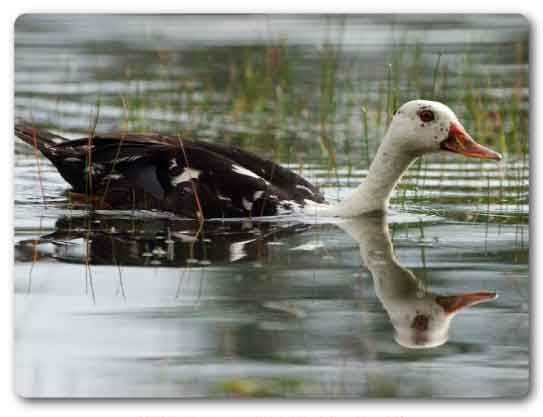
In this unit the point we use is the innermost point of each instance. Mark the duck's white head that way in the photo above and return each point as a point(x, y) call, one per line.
point(421, 126)
point(417, 128)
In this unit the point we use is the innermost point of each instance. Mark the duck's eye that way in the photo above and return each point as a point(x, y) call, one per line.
point(426, 116)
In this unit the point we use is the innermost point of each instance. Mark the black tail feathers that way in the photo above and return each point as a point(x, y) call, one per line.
point(38, 138)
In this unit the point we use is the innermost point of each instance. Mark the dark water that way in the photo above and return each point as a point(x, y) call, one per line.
point(146, 304)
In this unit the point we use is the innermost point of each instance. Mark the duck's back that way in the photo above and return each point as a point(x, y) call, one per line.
point(190, 178)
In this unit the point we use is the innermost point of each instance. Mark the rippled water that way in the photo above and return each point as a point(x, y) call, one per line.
point(147, 304)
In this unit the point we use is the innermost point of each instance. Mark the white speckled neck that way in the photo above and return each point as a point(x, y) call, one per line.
point(374, 192)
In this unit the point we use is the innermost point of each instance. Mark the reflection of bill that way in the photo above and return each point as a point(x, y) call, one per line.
point(421, 319)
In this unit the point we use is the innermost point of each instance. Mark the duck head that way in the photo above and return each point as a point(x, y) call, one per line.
point(422, 126)
point(418, 127)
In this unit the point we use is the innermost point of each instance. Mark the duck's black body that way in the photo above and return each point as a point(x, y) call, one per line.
point(189, 178)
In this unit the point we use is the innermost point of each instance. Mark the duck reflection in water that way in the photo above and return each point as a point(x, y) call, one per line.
point(421, 318)
point(105, 240)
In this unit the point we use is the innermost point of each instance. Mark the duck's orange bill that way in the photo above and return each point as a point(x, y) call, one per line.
point(459, 141)
point(453, 303)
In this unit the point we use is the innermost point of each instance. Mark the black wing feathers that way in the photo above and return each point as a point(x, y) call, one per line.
point(161, 172)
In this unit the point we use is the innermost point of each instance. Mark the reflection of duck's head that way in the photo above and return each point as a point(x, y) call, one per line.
point(421, 319)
